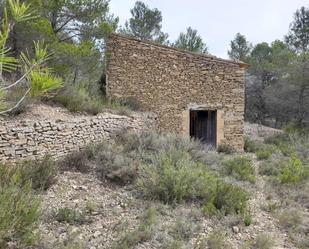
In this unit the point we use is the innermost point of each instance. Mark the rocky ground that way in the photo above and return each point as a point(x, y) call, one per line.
point(109, 210)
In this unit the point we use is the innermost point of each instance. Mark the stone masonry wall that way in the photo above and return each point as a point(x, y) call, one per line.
point(31, 139)
point(170, 82)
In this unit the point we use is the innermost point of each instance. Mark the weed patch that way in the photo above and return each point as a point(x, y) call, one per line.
point(240, 167)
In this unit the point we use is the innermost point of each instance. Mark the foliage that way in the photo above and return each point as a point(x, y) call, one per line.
point(19, 208)
point(277, 80)
point(43, 82)
point(240, 48)
point(41, 173)
point(230, 199)
point(294, 171)
point(247, 218)
point(271, 167)
point(79, 160)
point(70, 216)
point(116, 167)
point(216, 240)
point(145, 23)
point(298, 36)
point(81, 100)
point(263, 241)
point(251, 145)
point(173, 177)
point(240, 167)
point(40, 80)
point(142, 233)
point(264, 153)
point(191, 41)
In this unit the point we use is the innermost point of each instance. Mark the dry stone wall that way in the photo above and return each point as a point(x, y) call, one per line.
point(30, 139)
point(170, 82)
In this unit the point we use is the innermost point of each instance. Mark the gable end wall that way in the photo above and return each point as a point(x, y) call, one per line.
point(170, 82)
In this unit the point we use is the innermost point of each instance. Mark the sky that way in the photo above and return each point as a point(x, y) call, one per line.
point(217, 21)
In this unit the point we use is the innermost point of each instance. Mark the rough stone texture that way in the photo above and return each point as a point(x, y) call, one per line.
point(30, 138)
point(170, 82)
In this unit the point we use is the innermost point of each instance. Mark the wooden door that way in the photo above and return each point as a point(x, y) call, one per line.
point(203, 126)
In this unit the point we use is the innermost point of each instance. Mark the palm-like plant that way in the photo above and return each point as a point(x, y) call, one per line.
point(38, 78)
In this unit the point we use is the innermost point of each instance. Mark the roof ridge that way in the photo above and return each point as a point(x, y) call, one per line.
point(238, 62)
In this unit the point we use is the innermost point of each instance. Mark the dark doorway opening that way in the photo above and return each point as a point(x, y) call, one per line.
point(203, 126)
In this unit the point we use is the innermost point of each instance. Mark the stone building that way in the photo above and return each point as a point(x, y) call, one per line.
point(196, 95)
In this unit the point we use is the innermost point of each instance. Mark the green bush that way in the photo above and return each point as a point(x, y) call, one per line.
point(239, 167)
point(282, 141)
point(277, 139)
point(144, 232)
point(247, 218)
point(19, 208)
point(80, 161)
point(230, 199)
point(41, 173)
point(216, 240)
point(115, 165)
point(80, 100)
point(263, 154)
point(172, 176)
point(251, 145)
point(263, 241)
point(294, 171)
point(271, 167)
point(70, 216)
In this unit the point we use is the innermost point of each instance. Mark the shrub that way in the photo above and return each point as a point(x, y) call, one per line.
point(80, 160)
point(271, 167)
point(263, 154)
point(240, 167)
point(70, 216)
point(277, 139)
point(41, 173)
point(80, 100)
point(247, 218)
point(282, 141)
point(174, 244)
point(230, 199)
point(173, 177)
point(289, 219)
point(294, 171)
point(142, 233)
point(216, 240)
point(19, 208)
point(225, 148)
point(116, 166)
point(251, 145)
point(184, 229)
point(263, 241)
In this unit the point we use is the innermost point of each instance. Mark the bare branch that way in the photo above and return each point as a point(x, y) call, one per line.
point(17, 104)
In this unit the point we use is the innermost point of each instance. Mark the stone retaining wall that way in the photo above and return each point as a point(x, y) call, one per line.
point(30, 139)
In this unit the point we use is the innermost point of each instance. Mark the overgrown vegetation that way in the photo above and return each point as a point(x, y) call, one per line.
point(70, 216)
point(239, 167)
point(166, 167)
point(19, 207)
point(287, 174)
point(144, 231)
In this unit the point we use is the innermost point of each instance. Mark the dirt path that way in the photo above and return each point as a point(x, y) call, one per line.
point(264, 222)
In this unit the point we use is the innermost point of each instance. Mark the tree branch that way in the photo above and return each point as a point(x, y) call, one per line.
point(18, 103)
